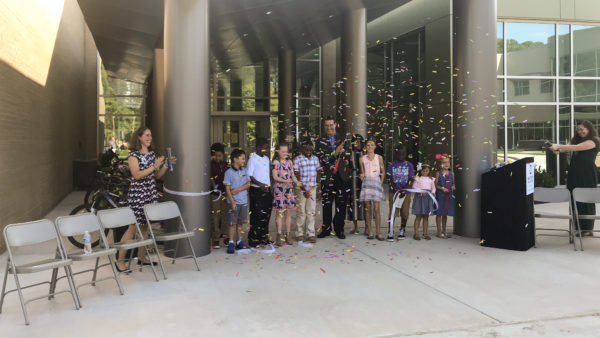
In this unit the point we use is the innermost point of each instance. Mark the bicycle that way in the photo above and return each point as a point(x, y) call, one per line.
point(112, 194)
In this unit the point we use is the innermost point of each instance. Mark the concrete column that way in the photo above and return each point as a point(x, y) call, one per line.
point(286, 95)
point(157, 118)
point(354, 72)
point(475, 101)
point(330, 77)
point(187, 114)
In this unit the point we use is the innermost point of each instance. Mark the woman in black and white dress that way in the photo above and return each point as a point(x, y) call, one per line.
point(145, 168)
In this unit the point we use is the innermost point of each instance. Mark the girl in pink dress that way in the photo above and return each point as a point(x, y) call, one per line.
point(422, 202)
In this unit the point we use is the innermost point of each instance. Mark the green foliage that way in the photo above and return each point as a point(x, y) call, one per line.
point(544, 178)
point(120, 120)
point(513, 45)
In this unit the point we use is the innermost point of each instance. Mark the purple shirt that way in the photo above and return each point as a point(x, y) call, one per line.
point(400, 173)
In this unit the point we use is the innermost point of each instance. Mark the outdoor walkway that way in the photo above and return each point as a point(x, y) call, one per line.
point(339, 288)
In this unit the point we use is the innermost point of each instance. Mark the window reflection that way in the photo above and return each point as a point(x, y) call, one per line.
point(586, 49)
point(530, 48)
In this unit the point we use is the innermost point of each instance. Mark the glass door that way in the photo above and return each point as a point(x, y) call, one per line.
point(240, 132)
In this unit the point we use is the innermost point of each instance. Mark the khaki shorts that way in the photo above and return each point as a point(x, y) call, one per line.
point(405, 210)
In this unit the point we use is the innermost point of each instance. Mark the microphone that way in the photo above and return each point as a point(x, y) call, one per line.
point(169, 159)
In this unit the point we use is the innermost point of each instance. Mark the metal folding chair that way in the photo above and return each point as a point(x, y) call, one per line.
point(585, 195)
point(164, 211)
point(555, 195)
point(32, 234)
point(78, 225)
point(118, 217)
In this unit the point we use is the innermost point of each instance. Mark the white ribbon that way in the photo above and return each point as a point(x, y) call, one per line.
point(193, 194)
point(265, 251)
point(397, 203)
point(421, 191)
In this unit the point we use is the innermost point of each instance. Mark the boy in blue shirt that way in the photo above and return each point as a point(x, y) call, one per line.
point(236, 183)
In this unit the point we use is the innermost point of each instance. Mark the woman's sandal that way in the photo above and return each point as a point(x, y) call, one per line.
point(379, 238)
point(121, 270)
point(370, 237)
point(354, 232)
point(416, 237)
point(440, 235)
point(427, 237)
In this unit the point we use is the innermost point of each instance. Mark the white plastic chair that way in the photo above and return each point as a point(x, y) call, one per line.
point(118, 217)
point(585, 195)
point(77, 225)
point(555, 195)
point(164, 211)
point(32, 234)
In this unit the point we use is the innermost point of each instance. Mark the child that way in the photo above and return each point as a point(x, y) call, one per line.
point(422, 202)
point(283, 195)
point(356, 208)
point(218, 167)
point(372, 175)
point(401, 173)
point(306, 165)
point(236, 185)
point(260, 194)
point(444, 183)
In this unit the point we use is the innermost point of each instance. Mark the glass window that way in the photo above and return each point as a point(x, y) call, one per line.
point(590, 113)
point(587, 90)
point(231, 134)
point(586, 49)
point(500, 48)
point(528, 128)
point(564, 130)
point(530, 48)
point(500, 126)
point(565, 90)
point(308, 127)
point(564, 50)
point(523, 90)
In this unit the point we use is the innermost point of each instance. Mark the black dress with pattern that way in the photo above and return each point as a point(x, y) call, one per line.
point(142, 191)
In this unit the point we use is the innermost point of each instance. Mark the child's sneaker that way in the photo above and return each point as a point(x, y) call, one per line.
point(390, 238)
point(401, 234)
point(240, 245)
point(230, 248)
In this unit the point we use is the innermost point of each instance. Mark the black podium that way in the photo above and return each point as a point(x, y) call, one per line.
point(507, 220)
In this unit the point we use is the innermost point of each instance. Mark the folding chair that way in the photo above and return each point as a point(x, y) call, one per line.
point(164, 211)
point(118, 217)
point(555, 195)
point(78, 225)
point(585, 195)
point(29, 234)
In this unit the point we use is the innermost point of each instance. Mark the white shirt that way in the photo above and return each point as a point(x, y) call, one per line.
point(259, 167)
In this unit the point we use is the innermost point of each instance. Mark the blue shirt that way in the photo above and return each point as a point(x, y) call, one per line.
point(331, 141)
point(235, 179)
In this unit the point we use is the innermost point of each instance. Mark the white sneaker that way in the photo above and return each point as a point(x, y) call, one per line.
point(401, 234)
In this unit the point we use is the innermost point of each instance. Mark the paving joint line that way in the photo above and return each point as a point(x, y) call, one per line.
point(422, 282)
point(478, 327)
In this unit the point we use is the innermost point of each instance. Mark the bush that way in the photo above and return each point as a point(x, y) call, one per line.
point(544, 178)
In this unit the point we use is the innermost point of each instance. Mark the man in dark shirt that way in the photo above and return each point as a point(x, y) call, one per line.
point(218, 217)
point(332, 150)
